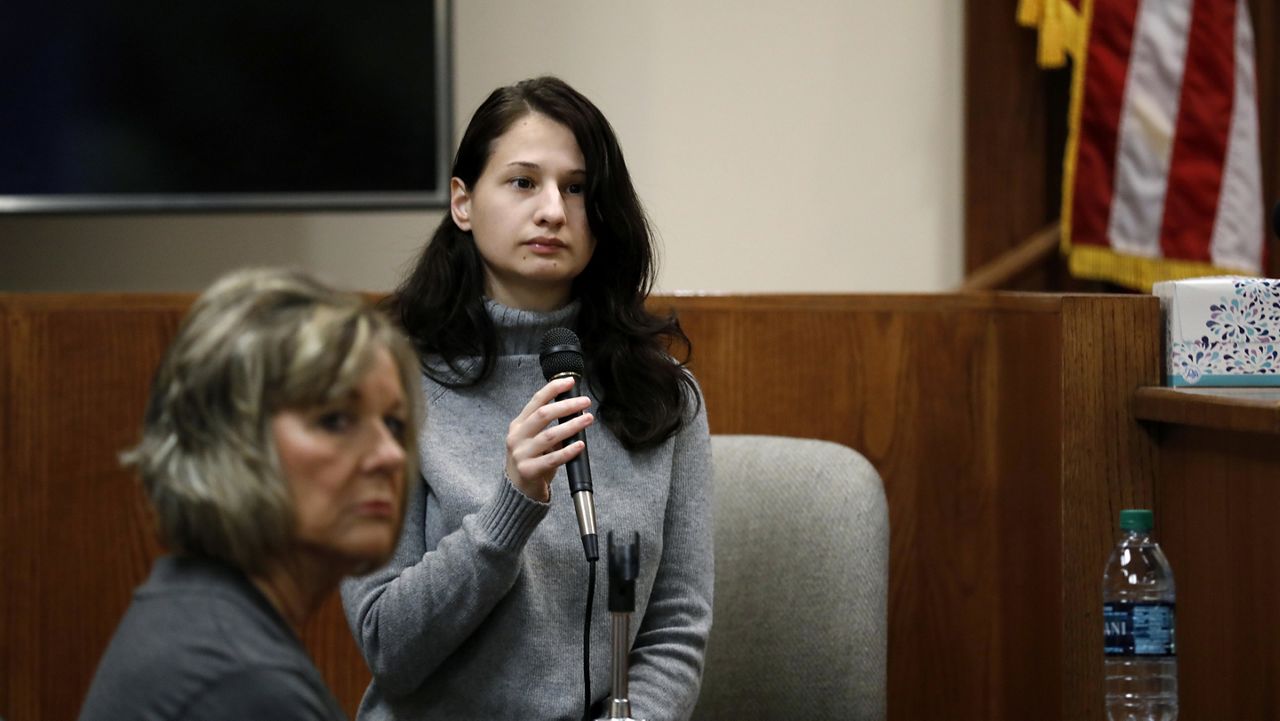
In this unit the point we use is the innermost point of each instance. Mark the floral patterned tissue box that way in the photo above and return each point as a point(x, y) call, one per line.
point(1221, 331)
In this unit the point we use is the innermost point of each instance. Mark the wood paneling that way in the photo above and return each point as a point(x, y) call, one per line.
point(75, 533)
point(1001, 427)
point(916, 388)
point(1266, 28)
point(999, 423)
point(1216, 496)
point(1109, 464)
point(1012, 150)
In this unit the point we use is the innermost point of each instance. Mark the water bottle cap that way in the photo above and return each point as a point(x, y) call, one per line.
point(1136, 519)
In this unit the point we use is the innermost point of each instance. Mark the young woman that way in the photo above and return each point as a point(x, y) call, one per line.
point(276, 446)
point(480, 612)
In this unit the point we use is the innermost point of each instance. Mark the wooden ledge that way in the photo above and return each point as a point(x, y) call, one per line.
point(1232, 409)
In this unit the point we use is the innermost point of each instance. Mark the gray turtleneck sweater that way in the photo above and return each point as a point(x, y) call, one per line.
point(479, 613)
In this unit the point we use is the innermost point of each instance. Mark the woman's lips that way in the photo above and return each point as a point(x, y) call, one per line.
point(546, 246)
point(379, 509)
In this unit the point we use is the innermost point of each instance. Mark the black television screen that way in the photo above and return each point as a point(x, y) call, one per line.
point(236, 104)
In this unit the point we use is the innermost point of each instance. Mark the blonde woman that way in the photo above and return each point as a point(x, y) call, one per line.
point(276, 447)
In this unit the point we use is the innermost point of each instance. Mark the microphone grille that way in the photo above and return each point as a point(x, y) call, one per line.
point(561, 352)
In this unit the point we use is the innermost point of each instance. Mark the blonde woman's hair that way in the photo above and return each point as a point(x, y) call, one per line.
point(255, 343)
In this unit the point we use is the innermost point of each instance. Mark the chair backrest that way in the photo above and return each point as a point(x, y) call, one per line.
point(802, 563)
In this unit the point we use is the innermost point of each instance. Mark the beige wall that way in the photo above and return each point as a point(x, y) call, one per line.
point(803, 146)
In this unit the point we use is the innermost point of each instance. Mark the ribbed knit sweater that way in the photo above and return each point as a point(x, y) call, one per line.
point(479, 615)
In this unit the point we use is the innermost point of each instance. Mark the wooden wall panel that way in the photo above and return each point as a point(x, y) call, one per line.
point(1002, 429)
point(13, 604)
point(75, 529)
point(1012, 163)
point(331, 644)
point(1266, 28)
point(998, 423)
point(1216, 503)
point(915, 385)
point(1027, 443)
point(1108, 464)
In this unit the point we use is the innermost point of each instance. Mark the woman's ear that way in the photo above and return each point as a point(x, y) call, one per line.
point(460, 204)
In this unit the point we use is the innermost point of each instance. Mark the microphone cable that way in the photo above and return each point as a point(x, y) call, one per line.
point(586, 643)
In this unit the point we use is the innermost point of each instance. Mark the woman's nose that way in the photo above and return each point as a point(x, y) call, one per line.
point(387, 454)
point(551, 210)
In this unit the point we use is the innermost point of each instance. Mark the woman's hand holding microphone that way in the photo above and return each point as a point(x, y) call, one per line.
point(534, 442)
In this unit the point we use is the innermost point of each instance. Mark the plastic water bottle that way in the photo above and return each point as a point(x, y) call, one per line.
point(1138, 617)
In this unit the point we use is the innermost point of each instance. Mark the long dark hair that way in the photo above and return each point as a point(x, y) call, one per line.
point(643, 394)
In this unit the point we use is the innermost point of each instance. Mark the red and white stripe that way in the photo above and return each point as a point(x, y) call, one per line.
point(1167, 161)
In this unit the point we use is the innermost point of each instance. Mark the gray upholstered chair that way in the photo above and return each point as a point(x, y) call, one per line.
point(802, 566)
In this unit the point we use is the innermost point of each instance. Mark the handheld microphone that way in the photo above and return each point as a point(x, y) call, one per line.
point(560, 357)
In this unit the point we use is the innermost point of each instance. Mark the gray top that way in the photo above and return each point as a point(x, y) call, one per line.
point(479, 614)
point(201, 642)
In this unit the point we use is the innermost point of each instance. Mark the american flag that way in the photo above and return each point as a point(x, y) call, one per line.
point(1163, 175)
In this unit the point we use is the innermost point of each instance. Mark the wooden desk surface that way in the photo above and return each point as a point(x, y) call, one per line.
point(1232, 409)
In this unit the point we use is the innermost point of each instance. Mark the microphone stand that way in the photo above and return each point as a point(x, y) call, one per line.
point(624, 567)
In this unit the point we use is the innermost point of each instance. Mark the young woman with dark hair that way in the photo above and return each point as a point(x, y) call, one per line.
point(479, 614)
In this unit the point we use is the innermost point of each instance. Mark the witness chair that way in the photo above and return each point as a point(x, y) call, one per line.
point(802, 560)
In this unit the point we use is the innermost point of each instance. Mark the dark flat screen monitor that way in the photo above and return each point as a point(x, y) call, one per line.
point(128, 105)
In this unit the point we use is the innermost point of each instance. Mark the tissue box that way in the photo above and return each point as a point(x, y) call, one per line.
point(1221, 331)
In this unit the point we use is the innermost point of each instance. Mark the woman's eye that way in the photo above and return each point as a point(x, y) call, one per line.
point(397, 426)
point(576, 189)
point(522, 183)
point(335, 421)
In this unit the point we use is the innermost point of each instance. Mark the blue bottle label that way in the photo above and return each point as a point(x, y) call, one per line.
point(1138, 629)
